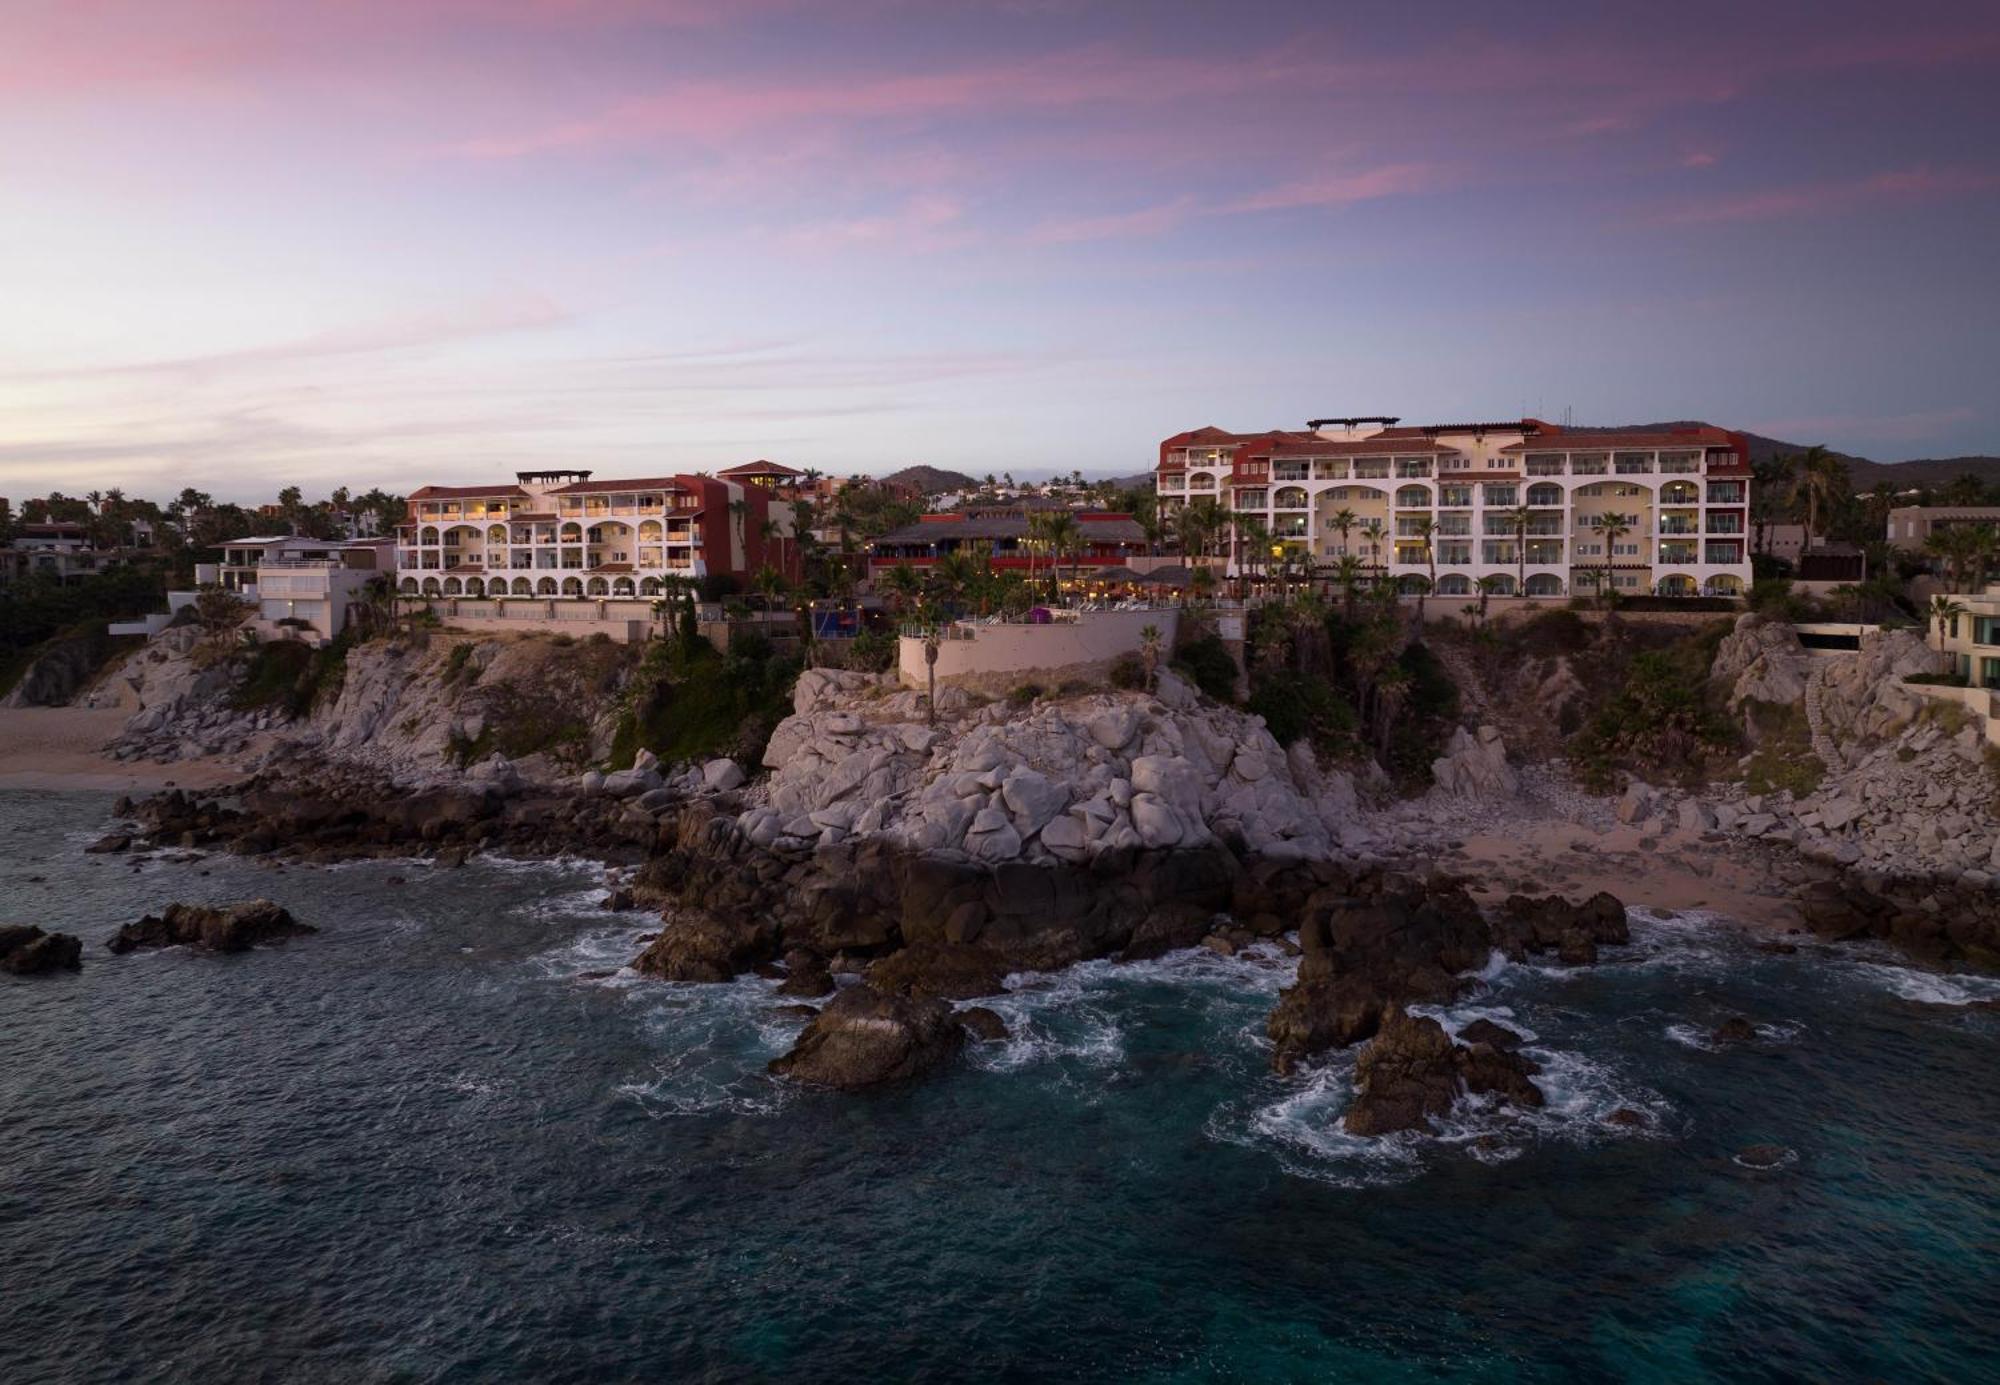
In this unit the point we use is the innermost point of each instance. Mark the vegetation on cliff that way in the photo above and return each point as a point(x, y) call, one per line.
point(688, 701)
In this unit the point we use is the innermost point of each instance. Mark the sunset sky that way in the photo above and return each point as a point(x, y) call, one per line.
point(245, 243)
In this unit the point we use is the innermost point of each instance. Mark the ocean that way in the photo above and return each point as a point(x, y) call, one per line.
point(429, 1144)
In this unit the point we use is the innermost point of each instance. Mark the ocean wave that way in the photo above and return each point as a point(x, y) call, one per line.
point(1956, 989)
point(714, 1041)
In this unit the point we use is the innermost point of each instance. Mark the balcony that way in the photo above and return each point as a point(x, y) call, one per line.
point(1545, 466)
point(1725, 524)
point(1412, 470)
point(1725, 495)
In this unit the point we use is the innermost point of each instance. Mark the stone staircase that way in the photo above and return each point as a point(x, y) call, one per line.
point(1822, 744)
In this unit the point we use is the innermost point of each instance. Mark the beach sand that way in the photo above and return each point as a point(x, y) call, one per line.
point(1661, 870)
point(61, 748)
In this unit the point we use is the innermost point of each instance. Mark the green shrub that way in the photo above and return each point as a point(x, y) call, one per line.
point(1784, 758)
point(1296, 707)
point(1549, 634)
point(458, 665)
point(1661, 720)
point(1207, 664)
point(1025, 694)
point(872, 651)
point(1128, 671)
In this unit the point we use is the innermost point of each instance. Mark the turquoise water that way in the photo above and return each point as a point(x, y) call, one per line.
point(420, 1146)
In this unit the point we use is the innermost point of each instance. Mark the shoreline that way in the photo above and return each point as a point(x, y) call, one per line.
point(57, 748)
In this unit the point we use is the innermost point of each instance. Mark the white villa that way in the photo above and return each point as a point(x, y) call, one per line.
point(1539, 509)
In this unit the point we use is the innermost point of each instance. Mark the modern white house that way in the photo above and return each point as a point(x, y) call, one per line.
point(303, 588)
point(1538, 509)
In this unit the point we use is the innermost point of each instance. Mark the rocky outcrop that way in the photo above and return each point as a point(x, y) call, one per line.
point(1761, 660)
point(225, 928)
point(1066, 780)
point(1368, 952)
point(26, 950)
point(708, 947)
point(1863, 698)
point(1527, 925)
point(1412, 1073)
point(868, 1038)
point(949, 971)
point(1474, 765)
point(61, 668)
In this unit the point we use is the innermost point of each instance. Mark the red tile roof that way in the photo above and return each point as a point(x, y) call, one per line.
point(466, 492)
point(644, 483)
point(761, 468)
point(1580, 440)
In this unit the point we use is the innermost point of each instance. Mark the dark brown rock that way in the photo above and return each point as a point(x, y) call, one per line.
point(1491, 1034)
point(703, 947)
point(224, 928)
point(1763, 1156)
point(867, 1038)
point(805, 975)
point(26, 950)
point(796, 1012)
point(1629, 1117)
point(112, 842)
point(949, 971)
point(1734, 1030)
point(983, 1024)
point(1405, 1076)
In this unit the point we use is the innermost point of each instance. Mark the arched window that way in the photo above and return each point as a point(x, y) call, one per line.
point(599, 587)
point(431, 587)
point(1413, 498)
point(1290, 498)
point(650, 531)
point(572, 586)
point(572, 532)
point(649, 586)
point(1502, 584)
point(409, 587)
point(1454, 584)
point(1544, 584)
point(1723, 584)
point(475, 586)
point(621, 586)
point(1545, 494)
point(1412, 583)
point(523, 587)
point(1201, 481)
point(428, 534)
point(1677, 584)
point(452, 587)
point(496, 533)
point(546, 587)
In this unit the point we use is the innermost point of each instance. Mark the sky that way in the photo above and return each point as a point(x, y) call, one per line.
point(251, 243)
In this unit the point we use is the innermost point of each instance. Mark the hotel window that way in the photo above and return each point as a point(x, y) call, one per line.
point(1503, 495)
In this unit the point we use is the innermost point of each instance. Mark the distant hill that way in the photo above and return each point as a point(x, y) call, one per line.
point(930, 480)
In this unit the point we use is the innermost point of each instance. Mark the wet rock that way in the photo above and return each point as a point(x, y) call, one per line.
point(1412, 1072)
point(949, 971)
point(1530, 924)
point(702, 947)
point(620, 899)
point(1734, 1030)
point(26, 950)
point(1491, 1034)
point(867, 1038)
point(795, 1012)
point(983, 1024)
point(112, 842)
point(225, 928)
point(1763, 1156)
point(1629, 1118)
point(805, 975)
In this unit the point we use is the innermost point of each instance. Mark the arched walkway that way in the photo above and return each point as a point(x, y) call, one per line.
point(1723, 584)
point(546, 587)
point(452, 586)
point(1454, 584)
point(649, 586)
point(572, 586)
point(1502, 584)
point(409, 586)
point(1544, 584)
point(599, 587)
point(621, 586)
point(1676, 584)
point(431, 587)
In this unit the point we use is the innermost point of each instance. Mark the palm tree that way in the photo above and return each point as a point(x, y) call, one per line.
point(931, 642)
point(1487, 585)
point(1374, 532)
point(1944, 612)
point(1065, 536)
point(1347, 572)
point(903, 582)
point(1614, 527)
point(1252, 538)
point(1770, 495)
point(771, 535)
point(1821, 484)
point(1427, 528)
point(1519, 518)
point(1344, 520)
point(1423, 585)
point(1149, 653)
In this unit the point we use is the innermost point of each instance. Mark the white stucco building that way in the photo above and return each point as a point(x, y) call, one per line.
point(1540, 509)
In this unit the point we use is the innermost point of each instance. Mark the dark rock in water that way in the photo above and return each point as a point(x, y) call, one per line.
point(1529, 924)
point(1405, 1076)
point(112, 842)
point(26, 950)
point(227, 928)
point(620, 899)
point(1412, 1072)
point(395, 880)
point(1576, 948)
point(1778, 949)
point(702, 947)
point(949, 971)
point(796, 1012)
point(865, 1038)
point(983, 1024)
point(1404, 945)
point(1734, 1030)
point(1219, 944)
point(1763, 1156)
point(1491, 1034)
point(1629, 1117)
point(805, 975)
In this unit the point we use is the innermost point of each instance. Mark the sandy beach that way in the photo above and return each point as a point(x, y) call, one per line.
point(61, 748)
point(1666, 871)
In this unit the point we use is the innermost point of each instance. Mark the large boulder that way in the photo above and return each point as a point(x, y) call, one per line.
point(1412, 1072)
point(867, 1038)
point(223, 928)
point(1761, 660)
point(704, 947)
point(26, 950)
point(1474, 766)
point(1530, 924)
point(950, 971)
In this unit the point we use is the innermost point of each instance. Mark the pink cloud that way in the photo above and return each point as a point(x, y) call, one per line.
point(1340, 189)
point(1699, 158)
point(1819, 199)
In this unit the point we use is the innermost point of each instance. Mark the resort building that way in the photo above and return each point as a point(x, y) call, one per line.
point(1104, 539)
point(1911, 526)
point(1538, 509)
point(561, 535)
point(56, 549)
point(303, 588)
